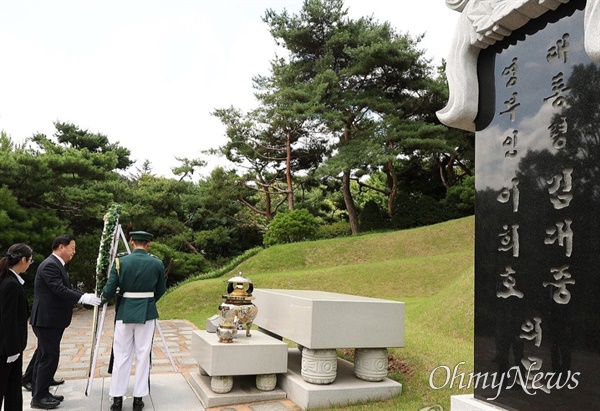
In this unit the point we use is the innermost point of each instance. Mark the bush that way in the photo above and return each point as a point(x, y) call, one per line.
point(179, 265)
point(290, 227)
point(372, 217)
point(337, 229)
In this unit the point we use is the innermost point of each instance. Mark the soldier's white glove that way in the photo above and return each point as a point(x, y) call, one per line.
point(90, 299)
point(12, 358)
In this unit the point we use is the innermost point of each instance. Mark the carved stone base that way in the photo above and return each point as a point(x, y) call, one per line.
point(266, 382)
point(221, 385)
point(319, 366)
point(371, 364)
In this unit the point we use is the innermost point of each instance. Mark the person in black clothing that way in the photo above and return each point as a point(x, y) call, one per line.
point(27, 379)
point(13, 324)
point(28, 376)
point(51, 314)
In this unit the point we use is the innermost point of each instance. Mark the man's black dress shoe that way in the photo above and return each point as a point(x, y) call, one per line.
point(27, 386)
point(58, 397)
point(46, 403)
point(117, 404)
point(138, 404)
point(57, 382)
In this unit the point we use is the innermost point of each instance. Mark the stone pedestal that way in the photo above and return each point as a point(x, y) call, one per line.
point(244, 391)
point(346, 390)
point(319, 366)
point(221, 385)
point(266, 382)
point(371, 364)
point(258, 355)
point(324, 321)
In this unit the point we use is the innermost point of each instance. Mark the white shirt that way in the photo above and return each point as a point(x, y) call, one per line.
point(59, 259)
point(19, 278)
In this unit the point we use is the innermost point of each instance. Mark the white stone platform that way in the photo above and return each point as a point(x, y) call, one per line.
point(323, 320)
point(468, 402)
point(244, 391)
point(347, 389)
point(258, 354)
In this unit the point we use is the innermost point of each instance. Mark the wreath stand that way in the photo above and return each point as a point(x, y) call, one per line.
point(98, 322)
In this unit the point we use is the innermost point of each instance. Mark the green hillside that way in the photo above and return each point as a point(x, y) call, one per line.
point(429, 268)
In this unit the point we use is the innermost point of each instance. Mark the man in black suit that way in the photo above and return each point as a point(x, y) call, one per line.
point(28, 374)
point(52, 311)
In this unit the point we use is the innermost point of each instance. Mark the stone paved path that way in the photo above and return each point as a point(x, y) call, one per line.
point(76, 349)
point(76, 346)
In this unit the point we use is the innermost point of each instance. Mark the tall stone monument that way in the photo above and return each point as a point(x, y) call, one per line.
point(525, 76)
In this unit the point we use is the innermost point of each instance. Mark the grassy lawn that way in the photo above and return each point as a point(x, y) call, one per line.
point(428, 268)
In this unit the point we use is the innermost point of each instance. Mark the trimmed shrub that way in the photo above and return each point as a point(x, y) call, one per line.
point(333, 230)
point(290, 227)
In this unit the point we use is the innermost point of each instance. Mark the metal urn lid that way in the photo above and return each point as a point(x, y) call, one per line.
point(239, 290)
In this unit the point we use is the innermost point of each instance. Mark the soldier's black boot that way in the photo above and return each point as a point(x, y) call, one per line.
point(138, 404)
point(117, 404)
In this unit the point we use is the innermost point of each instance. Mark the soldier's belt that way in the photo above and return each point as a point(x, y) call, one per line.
point(130, 294)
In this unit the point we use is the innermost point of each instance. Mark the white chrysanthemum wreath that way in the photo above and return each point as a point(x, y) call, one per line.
point(107, 242)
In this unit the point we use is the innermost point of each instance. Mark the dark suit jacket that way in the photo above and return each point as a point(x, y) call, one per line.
point(13, 316)
point(53, 296)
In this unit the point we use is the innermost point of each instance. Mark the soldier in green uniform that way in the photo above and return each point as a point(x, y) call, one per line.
point(140, 277)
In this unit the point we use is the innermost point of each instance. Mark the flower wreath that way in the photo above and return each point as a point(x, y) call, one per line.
point(107, 242)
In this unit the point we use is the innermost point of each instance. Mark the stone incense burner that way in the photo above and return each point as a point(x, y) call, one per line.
point(237, 310)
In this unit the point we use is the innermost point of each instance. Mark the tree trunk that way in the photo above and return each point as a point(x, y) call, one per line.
point(350, 208)
point(346, 193)
point(268, 212)
point(288, 171)
point(392, 186)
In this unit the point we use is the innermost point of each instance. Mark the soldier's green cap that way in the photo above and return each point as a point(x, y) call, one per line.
point(141, 236)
